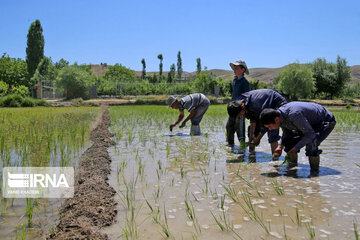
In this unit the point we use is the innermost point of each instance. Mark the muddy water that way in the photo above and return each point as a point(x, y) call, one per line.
point(157, 175)
point(13, 219)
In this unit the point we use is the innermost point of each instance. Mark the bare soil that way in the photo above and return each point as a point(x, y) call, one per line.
point(93, 206)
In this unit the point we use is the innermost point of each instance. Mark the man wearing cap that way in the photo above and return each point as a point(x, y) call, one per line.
point(303, 124)
point(240, 85)
point(197, 104)
point(250, 105)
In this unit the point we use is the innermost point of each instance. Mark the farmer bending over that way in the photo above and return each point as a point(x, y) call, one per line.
point(303, 124)
point(196, 104)
point(250, 105)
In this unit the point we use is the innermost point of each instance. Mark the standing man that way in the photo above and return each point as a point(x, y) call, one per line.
point(250, 105)
point(240, 85)
point(197, 104)
point(303, 124)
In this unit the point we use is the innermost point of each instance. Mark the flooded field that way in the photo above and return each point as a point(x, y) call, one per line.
point(172, 185)
point(39, 137)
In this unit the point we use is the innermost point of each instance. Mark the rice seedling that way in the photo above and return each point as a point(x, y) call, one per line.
point(231, 193)
point(30, 205)
point(22, 234)
point(182, 172)
point(298, 218)
point(310, 229)
point(356, 233)
point(279, 189)
point(222, 202)
point(165, 227)
point(223, 222)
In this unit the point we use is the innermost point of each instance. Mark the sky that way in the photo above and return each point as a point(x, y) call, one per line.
point(261, 32)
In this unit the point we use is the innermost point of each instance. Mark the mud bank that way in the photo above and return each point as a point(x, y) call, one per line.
point(93, 206)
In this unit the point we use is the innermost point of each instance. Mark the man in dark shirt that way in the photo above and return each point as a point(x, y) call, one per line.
point(303, 124)
point(250, 105)
point(240, 86)
point(196, 104)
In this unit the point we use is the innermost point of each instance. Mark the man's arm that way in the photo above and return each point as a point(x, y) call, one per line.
point(303, 125)
point(181, 116)
point(191, 115)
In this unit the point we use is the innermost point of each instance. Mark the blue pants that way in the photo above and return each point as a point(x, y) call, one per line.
point(311, 149)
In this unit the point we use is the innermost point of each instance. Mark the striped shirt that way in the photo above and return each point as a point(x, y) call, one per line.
point(192, 101)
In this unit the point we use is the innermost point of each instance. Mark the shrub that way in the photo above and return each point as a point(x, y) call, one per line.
point(77, 102)
point(12, 100)
point(20, 90)
point(3, 88)
point(75, 82)
point(16, 100)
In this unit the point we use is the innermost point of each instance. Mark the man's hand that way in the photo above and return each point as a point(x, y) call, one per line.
point(277, 151)
point(172, 126)
point(182, 124)
point(256, 141)
point(252, 138)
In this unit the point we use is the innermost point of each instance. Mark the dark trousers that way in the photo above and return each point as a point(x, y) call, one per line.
point(235, 125)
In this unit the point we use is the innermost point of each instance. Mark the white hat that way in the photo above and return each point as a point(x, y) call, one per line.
point(170, 100)
point(240, 63)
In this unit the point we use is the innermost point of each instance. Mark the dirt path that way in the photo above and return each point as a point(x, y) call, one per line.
point(93, 205)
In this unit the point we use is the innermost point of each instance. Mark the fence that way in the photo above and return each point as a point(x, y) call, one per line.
point(47, 90)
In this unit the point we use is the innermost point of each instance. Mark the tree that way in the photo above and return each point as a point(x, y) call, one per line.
point(343, 74)
point(296, 80)
point(179, 66)
point(205, 82)
point(35, 47)
point(256, 84)
point(171, 74)
point(61, 64)
point(324, 75)
point(198, 65)
point(44, 71)
point(331, 78)
point(143, 75)
point(160, 57)
point(119, 73)
point(74, 81)
point(13, 71)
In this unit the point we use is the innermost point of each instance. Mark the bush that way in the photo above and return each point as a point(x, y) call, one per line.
point(3, 88)
point(75, 82)
point(77, 102)
point(16, 100)
point(12, 100)
point(21, 90)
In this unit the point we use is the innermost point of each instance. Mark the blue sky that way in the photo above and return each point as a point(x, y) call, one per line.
point(263, 33)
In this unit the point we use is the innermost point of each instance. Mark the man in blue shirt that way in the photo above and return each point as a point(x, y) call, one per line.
point(303, 124)
point(250, 105)
point(196, 104)
point(240, 86)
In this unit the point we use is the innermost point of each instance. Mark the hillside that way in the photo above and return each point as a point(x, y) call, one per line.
point(263, 74)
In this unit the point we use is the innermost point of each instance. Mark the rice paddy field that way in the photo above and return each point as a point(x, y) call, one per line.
point(173, 185)
point(39, 137)
point(176, 186)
